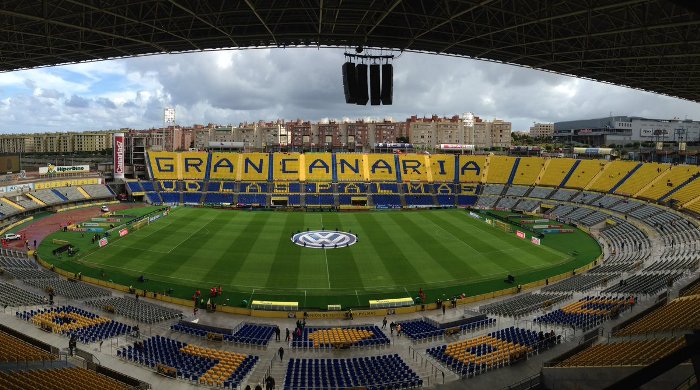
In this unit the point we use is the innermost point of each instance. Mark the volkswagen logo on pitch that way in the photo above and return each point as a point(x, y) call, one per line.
point(324, 239)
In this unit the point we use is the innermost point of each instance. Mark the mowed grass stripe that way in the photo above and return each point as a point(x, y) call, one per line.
point(232, 257)
point(437, 262)
point(284, 270)
point(399, 267)
point(200, 251)
point(342, 264)
point(507, 254)
point(190, 236)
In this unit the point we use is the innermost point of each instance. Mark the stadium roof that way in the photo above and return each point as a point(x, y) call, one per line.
point(646, 44)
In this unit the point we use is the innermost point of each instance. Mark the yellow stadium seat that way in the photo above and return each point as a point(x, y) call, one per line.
point(613, 173)
point(471, 168)
point(414, 167)
point(286, 166)
point(165, 165)
point(442, 168)
point(255, 166)
point(641, 177)
point(194, 165)
point(584, 173)
point(381, 167)
point(350, 167)
point(499, 169)
point(318, 167)
point(529, 169)
point(689, 192)
point(556, 171)
point(667, 181)
point(225, 166)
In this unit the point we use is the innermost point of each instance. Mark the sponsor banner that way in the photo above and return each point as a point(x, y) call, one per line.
point(95, 230)
point(555, 231)
point(119, 148)
point(61, 169)
point(12, 177)
point(154, 218)
point(103, 242)
point(18, 188)
point(123, 232)
point(98, 219)
point(535, 240)
point(113, 219)
point(520, 234)
point(456, 147)
point(535, 221)
point(45, 185)
point(90, 224)
point(474, 215)
point(489, 221)
point(547, 226)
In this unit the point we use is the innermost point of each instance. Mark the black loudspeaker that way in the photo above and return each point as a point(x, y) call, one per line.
point(374, 85)
point(349, 83)
point(362, 96)
point(387, 84)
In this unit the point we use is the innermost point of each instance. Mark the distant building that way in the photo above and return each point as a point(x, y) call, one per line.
point(65, 142)
point(542, 130)
point(620, 130)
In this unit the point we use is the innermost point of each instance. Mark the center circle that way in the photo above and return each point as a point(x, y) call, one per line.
point(324, 239)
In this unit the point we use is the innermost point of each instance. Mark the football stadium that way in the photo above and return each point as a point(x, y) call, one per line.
point(353, 267)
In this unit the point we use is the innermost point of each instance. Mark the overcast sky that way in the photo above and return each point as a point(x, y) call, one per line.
point(229, 87)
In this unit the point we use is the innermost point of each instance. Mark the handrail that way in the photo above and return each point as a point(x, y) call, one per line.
point(434, 369)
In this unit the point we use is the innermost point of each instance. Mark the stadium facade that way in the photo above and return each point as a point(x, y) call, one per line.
point(622, 130)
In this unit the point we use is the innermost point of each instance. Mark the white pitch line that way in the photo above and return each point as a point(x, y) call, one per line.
point(192, 234)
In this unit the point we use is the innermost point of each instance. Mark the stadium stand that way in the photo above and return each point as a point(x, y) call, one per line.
point(471, 168)
point(442, 168)
point(500, 169)
point(350, 167)
point(615, 268)
point(382, 167)
point(517, 191)
point(540, 192)
point(506, 203)
point(76, 378)
point(11, 295)
point(138, 310)
point(527, 205)
point(529, 169)
point(486, 202)
point(245, 333)
point(644, 283)
point(492, 189)
point(586, 197)
point(584, 172)
point(524, 304)
point(615, 172)
point(13, 349)
point(682, 313)
point(288, 166)
point(624, 353)
point(667, 181)
point(641, 178)
point(414, 167)
point(587, 313)
point(210, 367)
point(368, 372)
point(424, 329)
point(577, 283)
point(555, 171)
point(563, 195)
point(25, 202)
point(255, 167)
point(497, 349)
point(68, 288)
point(684, 195)
point(316, 337)
point(68, 320)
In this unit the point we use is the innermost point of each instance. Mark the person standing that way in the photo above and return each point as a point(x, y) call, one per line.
point(443, 308)
point(277, 333)
point(384, 323)
point(286, 339)
point(281, 353)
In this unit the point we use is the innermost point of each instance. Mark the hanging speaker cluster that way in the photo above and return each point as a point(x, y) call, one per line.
point(377, 89)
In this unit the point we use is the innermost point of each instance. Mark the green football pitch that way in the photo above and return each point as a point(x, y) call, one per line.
point(251, 255)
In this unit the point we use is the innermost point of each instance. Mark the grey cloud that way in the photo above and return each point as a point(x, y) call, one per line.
point(106, 103)
point(50, 94)
point(77, 102)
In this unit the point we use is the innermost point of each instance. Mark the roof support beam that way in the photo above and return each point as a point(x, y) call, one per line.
point(252, 8)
